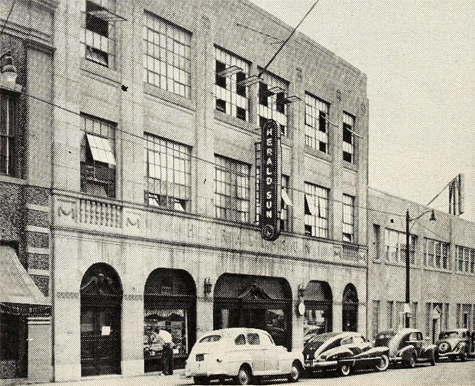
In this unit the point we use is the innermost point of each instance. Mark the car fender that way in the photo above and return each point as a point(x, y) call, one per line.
point(406, 352)
point(429, 350)
point(286, 359)
point(339, 353)
point(235, 360)
point(373, 352)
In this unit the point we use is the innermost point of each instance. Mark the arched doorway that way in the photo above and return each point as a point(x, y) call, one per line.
point(254, 301)
point(101, 306)
point(170, 304)
point(350, 308)
point(318, 307)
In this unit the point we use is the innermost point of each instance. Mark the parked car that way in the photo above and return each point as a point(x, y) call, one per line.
point(457, 343)
point(343, 351)
point(244, 354)
point(407, 346)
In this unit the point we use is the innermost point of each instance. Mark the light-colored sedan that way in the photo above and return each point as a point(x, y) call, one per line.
point(244, 354)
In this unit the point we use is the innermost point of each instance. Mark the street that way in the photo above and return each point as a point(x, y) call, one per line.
point(444, 373)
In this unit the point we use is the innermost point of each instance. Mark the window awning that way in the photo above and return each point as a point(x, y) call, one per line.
point(100, 149)
point(16, 285)
point(286, 198)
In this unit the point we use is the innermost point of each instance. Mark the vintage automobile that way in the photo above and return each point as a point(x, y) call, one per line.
point(457, 343)
point(407, 346)
point(243, 354)
point(344, 352)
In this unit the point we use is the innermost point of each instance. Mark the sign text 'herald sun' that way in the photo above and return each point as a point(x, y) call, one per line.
point(270, 180)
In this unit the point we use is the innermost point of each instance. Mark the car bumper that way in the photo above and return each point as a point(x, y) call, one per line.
point(449, 353)
point(319, 365)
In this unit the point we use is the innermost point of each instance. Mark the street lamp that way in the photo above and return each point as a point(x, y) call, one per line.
point(408, 262)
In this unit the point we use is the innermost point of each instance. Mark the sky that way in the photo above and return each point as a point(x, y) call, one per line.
point(419, 56)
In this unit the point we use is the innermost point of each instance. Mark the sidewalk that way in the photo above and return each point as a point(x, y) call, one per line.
point(154, 379)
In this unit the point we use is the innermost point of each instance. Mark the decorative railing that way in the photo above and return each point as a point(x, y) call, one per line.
point(100, 213)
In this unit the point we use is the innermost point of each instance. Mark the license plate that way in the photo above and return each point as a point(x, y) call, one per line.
point(200, 357)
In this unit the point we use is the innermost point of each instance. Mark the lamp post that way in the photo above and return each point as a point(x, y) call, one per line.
point(408, 261)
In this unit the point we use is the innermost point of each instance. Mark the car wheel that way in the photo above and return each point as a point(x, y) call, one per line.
point(244, 376)
point(383, 364)
point(345, 370)
point(201, 380)
point(411, 362)
point(295, 371)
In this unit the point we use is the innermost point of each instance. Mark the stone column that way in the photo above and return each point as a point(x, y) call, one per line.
point(337, 316)
point(132, 335)
point(204, 312)
point(39, 349)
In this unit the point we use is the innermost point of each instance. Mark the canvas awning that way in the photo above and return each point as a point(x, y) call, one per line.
point(18, 292)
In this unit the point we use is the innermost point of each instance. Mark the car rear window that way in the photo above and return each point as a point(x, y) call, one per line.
point(240, 340)
point(383, 338)
point(210, 339)
point(253, 339)
point(448, 334)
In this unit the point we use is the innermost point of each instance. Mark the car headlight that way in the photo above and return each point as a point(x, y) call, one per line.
point(444, 347)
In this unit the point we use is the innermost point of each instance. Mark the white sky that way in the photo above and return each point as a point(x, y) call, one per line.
point(419, 56)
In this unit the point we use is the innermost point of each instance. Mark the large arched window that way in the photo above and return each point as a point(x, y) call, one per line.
point(318, 307)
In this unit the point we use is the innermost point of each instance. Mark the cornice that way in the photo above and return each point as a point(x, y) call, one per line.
point(49, 5)
point(39, 46)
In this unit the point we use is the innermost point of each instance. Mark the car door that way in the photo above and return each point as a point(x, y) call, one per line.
point(415, 338)
point(257, 354)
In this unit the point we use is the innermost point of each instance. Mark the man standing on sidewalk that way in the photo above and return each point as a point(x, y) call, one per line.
point(167, 352)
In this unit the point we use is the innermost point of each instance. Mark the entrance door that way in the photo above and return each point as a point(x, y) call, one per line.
point(350, 309)
point(101, 300)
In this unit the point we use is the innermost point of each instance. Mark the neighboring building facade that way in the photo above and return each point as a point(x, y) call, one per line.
point(442, 274)
point(149, 179)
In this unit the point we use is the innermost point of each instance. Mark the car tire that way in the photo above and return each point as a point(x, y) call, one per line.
point(244, 376)
point(411, 362)
point(295, 372)
point(383, 364)
point(201, 380)
point(344, 370)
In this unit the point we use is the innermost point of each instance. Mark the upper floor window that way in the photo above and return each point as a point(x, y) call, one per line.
point(98, 157)
point(272, 104)
point(167, 173)
point(348, 218)
point(348, 138)
point(316, 123)
point(8, 104)
point(286, 202)
point(231, 98)
point(98, 36)
point(395, 246)
point(316, 202)
point(436, 254)
point(465, 258)
point(232, 193)
point(167, 57)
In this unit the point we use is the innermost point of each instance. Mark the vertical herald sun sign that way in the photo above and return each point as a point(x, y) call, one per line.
point(270, 183)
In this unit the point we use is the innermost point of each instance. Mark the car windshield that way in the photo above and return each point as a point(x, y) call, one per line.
point(448, 334)
point(383, 338)
point(210, 339)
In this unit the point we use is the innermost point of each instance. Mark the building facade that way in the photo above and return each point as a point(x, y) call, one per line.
point(442, 263)
point(140, 132)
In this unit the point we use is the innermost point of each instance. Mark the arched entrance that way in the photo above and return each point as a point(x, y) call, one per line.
point(318, 307)
point(350, 308)
point(170, 305)
point(254, 301)
point(101, 305)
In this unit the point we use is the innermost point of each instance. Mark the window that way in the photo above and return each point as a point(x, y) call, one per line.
point(98, 31)
point(395, 247)
point(377, 241)
point(348, 218)
point(98, 157)
point(414, 315)
point(376, 310)
point(7, 133)
point(436, 254)
point(446, 316)
point(316, 210)
point(284, 214)
point(240, 340)
point(272, 101)
point(232, 194)
point(316, 123)
point(253, 339)
point(167, 58)
point(167, 173)
point(465, 258)
point(231, 98)
point(390, 314)
point(348, 138)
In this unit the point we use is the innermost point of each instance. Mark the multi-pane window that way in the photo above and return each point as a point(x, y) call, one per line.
point(167, 173)
point(375, 320)
point(348, 218)
point(167, 58)
point(436, 254)
point(348, 138)
point(97, 36)
point(465, 258)
point(7, 133)
point(231, 98)
point(284, 213)
point(272, 104)
point(98, 156)
point(395, 247)
point(316, 202)
point(232, 193)
point(316, 123)
point(390, 314)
